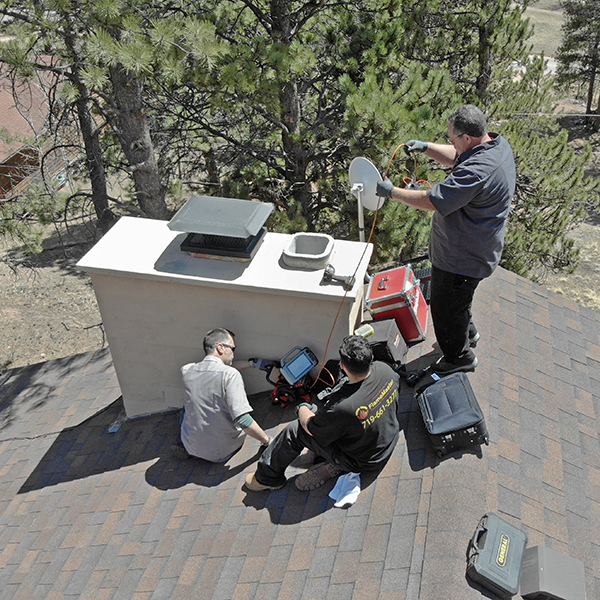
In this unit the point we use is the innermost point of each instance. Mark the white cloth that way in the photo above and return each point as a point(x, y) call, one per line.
point(346, 490)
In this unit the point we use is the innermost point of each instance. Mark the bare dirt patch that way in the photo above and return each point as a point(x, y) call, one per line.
point(48, 308)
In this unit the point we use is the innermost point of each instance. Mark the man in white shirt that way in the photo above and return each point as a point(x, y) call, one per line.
point(216, 413)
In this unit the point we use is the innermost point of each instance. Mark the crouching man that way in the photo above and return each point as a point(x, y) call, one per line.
point(216, 413)
point(356, 430)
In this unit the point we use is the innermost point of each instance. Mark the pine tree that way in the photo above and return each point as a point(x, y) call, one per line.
point(549, 201)
point(101, 56)
point(469, 38)
point(302, 90)
point(552, 189)
point(579, 53)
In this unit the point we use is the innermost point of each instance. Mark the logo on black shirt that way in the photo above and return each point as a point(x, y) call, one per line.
point(362, 412)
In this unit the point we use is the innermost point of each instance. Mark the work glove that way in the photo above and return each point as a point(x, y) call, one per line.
point(262, 363)
point(384, 188)
point(415, 146)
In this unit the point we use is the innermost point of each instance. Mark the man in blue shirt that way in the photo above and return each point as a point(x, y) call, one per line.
point(470, 209)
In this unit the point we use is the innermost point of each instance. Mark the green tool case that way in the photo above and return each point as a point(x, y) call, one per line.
point(495, 556)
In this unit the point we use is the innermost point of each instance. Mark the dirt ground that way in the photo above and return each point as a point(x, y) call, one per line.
point(48, 309)
point(582, 286)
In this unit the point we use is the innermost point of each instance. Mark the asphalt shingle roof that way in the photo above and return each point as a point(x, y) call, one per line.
point(89, 513)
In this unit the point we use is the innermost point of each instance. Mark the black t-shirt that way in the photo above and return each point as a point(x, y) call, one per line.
point(360, 422)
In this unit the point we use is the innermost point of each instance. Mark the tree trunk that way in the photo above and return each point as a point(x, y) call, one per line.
point(91, 142)
point(290, 112)
point(294, 150)
point(484, 60)
point(94, 161)
point(134, 136)
point(590, 94)
point(592, 81)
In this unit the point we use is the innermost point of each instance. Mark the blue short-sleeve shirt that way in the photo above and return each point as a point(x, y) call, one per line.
point(472, 206)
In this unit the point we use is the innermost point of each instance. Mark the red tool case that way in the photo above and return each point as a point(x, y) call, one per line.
point(395, 293)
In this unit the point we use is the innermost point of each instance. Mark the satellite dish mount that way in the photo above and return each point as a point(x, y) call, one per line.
point(364, 177)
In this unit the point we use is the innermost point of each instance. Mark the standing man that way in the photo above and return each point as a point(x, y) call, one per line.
point(471, 208)
point(356, 431)
point(216, 413)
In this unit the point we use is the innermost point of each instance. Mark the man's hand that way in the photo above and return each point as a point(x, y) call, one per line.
point(415, 146)
point(384, 188)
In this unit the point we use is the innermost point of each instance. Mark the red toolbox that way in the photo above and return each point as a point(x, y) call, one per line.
point(396, 294)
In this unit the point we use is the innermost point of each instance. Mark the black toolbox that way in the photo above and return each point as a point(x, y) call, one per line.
point(387, 342)
point(452, 415)
point(495, 556)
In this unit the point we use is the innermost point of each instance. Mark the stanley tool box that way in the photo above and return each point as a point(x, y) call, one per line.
point(395, 293)
point(495, 556)
point(452, 414)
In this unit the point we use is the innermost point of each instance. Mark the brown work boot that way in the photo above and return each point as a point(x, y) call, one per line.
point(254, 485)
point(317, 475)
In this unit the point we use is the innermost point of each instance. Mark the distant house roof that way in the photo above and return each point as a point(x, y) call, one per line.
point(23, 112)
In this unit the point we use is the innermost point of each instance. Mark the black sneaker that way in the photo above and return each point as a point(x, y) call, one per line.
point(443, 367)
point(179, 452)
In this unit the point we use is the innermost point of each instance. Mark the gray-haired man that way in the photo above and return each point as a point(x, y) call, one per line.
point(470, 208)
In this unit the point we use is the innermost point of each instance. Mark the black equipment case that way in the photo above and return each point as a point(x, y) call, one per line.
point(452, 414)
point(495, 556)
point(387, 342)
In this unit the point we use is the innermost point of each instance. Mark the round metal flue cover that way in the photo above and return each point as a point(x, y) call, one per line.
point(221, 216)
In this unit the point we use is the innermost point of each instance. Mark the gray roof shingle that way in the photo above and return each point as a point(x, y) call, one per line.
point(113, 515)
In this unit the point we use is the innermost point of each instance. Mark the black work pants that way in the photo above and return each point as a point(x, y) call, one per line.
point(287, 446)
point(450, 303)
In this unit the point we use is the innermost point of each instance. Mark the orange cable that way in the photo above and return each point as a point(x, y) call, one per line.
point(358, 264)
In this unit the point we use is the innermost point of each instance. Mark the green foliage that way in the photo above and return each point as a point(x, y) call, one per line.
point(579, 53)
point(551, 187)
point(528, 92)
point(21, 216)
point(468, 38)
point(549, 201)
point(271, 101)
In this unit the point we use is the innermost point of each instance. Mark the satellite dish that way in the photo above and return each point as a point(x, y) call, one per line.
point(363, 171)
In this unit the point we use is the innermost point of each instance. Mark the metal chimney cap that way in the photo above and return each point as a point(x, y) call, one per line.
point(212, 215)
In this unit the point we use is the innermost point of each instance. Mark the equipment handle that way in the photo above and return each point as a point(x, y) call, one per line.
point(481, 528)
point(382, 283)
point(283, 363)
point(268, 376)
point(423, 402)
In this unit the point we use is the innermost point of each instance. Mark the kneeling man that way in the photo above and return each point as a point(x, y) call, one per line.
point(355, 431)
point(216, 414)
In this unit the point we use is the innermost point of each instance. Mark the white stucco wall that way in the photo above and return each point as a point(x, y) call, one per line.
point(157, 303)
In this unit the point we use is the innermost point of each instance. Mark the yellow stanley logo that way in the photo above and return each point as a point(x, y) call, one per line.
point(503, 550)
